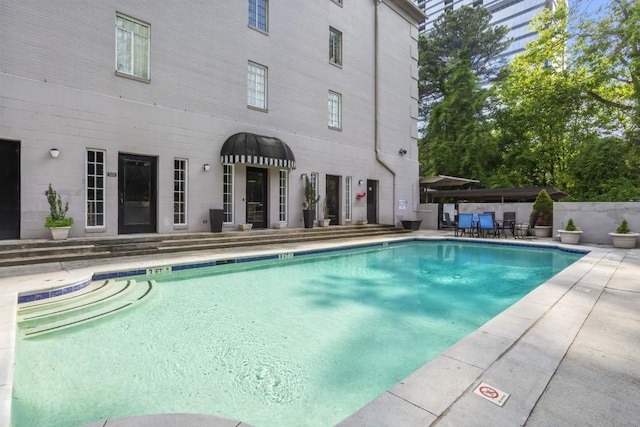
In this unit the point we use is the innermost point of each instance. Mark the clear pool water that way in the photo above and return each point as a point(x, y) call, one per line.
point(300, 342)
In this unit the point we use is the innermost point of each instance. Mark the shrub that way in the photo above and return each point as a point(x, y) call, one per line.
point(623, 228)
point(543, 206)
point(57, 212)
point(571, 226)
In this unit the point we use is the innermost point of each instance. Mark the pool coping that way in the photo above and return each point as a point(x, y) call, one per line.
point(526, 323)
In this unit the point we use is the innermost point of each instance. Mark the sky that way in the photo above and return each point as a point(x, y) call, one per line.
point(589, 6)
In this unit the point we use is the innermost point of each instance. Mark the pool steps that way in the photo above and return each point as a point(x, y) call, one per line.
point(24, 252)
point(96, 301)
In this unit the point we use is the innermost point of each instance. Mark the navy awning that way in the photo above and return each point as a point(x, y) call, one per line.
point(252, 149)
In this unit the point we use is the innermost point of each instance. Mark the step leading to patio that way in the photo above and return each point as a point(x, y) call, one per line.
point(30, 252)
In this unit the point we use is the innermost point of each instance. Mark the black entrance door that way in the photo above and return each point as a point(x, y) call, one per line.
point(9, 189)
point(257, 197)
point(333, 199)
point(137, 194)
point(372, 201)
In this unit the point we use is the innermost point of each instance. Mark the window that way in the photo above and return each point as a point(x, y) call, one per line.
point(448, 4)
point(179, 192)
point(335, 110)
point(227, 193)
point(347, 198)
point(95, 188)
point(257, 86)
point(132, 47)
point(335, 46)
point(258, 14)
point(283, 196)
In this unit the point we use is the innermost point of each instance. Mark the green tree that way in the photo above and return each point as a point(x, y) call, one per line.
point(609, 49)
point(538, 103)
point(605, 170)
point(467, 31)
point(457, 140)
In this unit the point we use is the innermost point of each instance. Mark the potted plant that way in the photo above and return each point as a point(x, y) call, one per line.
point(543, 206)
point(571, 234)
point(623, 237)
point(325, 221)
point(57, 221)
point(310, 202)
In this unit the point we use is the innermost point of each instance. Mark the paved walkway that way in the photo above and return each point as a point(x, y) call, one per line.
point(568, 354)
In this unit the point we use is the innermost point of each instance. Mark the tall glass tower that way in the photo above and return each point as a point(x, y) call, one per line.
point(515, 14)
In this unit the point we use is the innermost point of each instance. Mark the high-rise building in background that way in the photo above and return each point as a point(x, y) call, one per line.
point(515, 14)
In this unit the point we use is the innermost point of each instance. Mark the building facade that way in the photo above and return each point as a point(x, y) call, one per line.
point(514, 14)
point(146, 115)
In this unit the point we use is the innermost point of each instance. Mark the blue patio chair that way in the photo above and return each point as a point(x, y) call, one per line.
point(486, 225)
point(464, 224)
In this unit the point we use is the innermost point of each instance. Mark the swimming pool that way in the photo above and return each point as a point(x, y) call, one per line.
point(303, 341)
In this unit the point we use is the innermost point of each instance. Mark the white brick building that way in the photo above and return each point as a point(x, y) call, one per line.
point(139, 98)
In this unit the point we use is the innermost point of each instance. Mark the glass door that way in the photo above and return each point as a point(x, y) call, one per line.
point(257, 197)
point(332, 199)
point(137, 194)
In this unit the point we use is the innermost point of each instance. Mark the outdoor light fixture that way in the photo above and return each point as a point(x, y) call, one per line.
point(54, 152)
point(402, 152)
point(206, 167)
point(359, 182)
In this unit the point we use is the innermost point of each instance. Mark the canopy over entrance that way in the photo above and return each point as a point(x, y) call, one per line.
point(252, 149)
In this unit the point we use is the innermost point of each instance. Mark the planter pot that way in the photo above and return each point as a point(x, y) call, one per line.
point(542, 230)
point(245, 227)
point(324, 222)
point(624, 241)
point(412, 225)
point(59, 233)
point(309, 216)
point(570, 237)
point(216, 218)
point(280, 225)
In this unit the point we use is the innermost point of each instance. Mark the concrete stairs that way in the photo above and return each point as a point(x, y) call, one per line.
point(29, 252)
point(96, 301)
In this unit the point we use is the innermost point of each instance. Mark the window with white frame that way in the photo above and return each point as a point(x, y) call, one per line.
point(257, 86)
point(227, 193)
point(132, 47)
point(95, 188)
point(347, 198)
point(179, 192)
point(258, 10)
point(283, 196)
point(335, 46)
point(335, 110)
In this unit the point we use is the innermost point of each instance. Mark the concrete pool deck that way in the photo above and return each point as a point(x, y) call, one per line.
point(568, 353)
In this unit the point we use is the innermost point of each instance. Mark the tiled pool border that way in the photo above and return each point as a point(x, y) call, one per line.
point(38, 295)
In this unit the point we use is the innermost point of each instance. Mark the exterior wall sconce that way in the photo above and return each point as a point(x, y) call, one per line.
point(206, 167)
point(54, 153)
point(360, 182)
point(402, 152)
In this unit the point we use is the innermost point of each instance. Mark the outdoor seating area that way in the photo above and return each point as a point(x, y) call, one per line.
point(486, 225)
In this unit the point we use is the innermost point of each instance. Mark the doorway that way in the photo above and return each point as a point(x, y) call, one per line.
point(372, 201)
point(257, 197)
point(9, 190)
point(137, 194)
point(332, 199)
